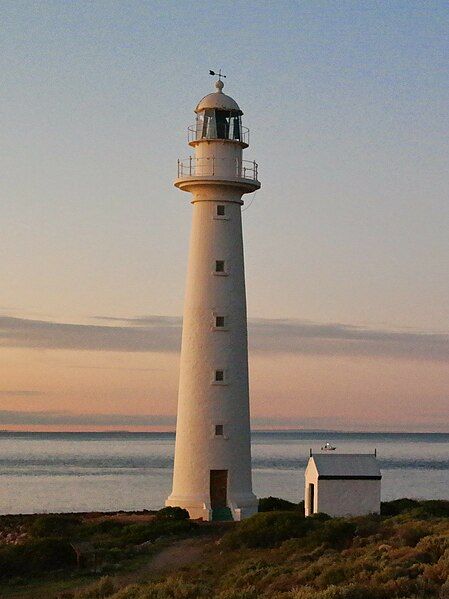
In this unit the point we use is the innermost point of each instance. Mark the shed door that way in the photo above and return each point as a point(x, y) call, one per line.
point(218, 488)
point(311, 498)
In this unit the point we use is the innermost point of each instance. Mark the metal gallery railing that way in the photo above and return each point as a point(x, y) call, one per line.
point(218, 167)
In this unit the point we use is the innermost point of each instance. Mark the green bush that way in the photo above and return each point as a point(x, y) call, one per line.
point(134, 534)
point(274, 504)
point(367, 525)
point(434, 508)
point(111, 527)
point(120, 534)
point(397, 506)
point(54, 525)
point(336, 533)
point(270, 529)
point(267, 529)
point(172, 513)
point(35, 557)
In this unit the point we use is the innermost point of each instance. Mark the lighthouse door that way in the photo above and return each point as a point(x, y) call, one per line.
point(218, 488)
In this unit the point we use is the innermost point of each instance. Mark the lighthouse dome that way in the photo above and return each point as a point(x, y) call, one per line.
point(218, 101)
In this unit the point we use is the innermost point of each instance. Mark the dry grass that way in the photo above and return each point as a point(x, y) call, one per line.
point(403, 554)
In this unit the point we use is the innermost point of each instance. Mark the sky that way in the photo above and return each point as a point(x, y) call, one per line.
point(346, 243)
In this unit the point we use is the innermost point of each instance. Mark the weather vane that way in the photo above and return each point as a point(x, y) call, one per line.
point(219, 75)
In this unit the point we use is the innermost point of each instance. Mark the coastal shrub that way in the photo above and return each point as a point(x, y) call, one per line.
point(437, 573)
point(434, 546)
point(333, 575)
point(367, 526)
point(444, 590)
point(172, 513)
point(35, 557)
point(267, 529)
point(397, 506)
point(113, 527)
point(120, 534)
point(104, 587)
point(170, 588)
point(274, 504)
point(270, 529)
point(54, 525)
point(336, 533)
point(410, 533)
point(302, 593)
point(129, 592)
point(249, 573)
point(353, 591)
point(248, 592)
point(433, 508)
point(134, 534)
point(350, 591)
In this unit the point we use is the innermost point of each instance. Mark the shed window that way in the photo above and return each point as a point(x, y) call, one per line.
point(219, 322)
point(219, 376)
point(218, 430)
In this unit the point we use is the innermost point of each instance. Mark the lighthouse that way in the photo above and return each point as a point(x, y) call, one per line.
point(212, 468)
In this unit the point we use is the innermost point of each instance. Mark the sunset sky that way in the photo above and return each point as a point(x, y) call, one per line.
point(347, 242)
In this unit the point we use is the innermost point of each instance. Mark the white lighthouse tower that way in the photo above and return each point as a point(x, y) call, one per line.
point(212, 470)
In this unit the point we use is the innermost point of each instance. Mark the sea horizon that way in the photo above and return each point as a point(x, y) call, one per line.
point(253, 430)
point(83, 471)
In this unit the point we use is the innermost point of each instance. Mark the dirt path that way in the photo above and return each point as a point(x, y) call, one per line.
point(179, 554)
point(182, 553)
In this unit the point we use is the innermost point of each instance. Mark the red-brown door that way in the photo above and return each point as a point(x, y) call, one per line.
point(218, 488)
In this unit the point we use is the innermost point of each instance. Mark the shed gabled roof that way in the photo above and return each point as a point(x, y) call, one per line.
point(343, 465)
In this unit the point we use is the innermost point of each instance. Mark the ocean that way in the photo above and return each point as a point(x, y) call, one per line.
point(71, 472)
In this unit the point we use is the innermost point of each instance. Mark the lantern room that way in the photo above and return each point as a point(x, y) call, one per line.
point(218, 117)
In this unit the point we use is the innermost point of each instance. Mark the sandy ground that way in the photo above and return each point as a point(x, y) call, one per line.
point(182, 553)
point(177, 555)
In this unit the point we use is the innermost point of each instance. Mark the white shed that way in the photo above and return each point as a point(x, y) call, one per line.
point(342, 484)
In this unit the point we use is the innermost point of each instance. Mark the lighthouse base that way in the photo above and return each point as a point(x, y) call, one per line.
point(198, 509)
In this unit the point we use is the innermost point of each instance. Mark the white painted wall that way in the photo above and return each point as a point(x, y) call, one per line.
point(348, 497)
point(202, 403)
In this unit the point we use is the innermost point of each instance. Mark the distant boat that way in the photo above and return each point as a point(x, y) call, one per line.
point(328, 447)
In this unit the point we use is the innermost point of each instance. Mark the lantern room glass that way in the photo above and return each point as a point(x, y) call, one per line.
point(213, 123)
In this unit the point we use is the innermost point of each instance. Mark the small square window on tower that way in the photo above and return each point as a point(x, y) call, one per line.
point(221, 210)
point(219, 376)
point(219, 266)
point(220, 322)
point(218, 430)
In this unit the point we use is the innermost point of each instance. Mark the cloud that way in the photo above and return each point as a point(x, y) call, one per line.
point(293, 336)
point(158, 335)
point(309, 423)
point(10, 417)
point(325, 423)
point(20, 393)
point(275, 336)
point(127, 368)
